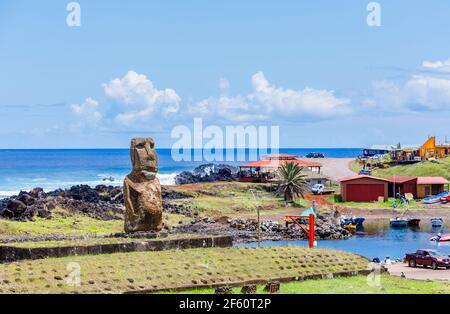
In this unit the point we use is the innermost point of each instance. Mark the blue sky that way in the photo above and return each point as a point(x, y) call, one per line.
point(139, 68)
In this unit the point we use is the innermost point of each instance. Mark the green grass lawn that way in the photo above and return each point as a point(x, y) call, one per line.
point(140, 271)
point(413, 205)
point(352, 285)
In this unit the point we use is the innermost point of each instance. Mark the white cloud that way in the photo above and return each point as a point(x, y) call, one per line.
point(139, 98)
point(88, 110)
point(420, 92)
point(443, 66)
point(267, 100)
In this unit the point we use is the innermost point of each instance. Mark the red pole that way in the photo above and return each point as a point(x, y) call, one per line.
point(311, 231)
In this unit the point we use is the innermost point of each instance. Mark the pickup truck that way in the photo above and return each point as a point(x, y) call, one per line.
point(319, 189)
point(427, 258)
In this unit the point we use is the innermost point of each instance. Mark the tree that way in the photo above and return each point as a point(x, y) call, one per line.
point(292, 181)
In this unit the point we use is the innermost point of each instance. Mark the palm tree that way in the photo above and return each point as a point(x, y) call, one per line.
point(292, 181)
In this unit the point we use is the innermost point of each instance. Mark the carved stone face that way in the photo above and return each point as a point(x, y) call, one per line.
point(143, 157)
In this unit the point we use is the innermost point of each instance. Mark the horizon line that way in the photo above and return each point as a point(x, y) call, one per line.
point(110, 148)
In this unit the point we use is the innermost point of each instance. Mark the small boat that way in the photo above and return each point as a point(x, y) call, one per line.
point(358, 221)
point(435, 199)
point(398, 222)
point(413, 222)
point(350, 227)
point(441, 238)
point(437, 222)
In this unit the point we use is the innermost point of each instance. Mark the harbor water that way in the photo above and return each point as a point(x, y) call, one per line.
point(379, 240)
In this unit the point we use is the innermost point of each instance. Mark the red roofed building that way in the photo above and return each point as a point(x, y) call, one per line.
point(265, 170)
point(402, 185)
point(427, 186)
point(363, 188)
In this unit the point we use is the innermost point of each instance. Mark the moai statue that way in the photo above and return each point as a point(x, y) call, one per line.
point(142, 190)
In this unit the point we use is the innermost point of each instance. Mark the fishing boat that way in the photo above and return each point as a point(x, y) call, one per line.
point(398, 222)
point(350, 227)
point(357, 221)
point(441, 238)
point(413, 222)
point(437, 222)
point(435, 198)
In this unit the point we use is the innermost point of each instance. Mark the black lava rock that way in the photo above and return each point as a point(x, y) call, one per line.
point(208, 173)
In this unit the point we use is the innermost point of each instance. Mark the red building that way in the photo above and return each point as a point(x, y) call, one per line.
point(362, 188)
point(265, 170)
point(402, 185)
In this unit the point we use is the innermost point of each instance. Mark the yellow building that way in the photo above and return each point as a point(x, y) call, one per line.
point(430, 150)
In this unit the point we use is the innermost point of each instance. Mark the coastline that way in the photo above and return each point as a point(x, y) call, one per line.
point(53, 169)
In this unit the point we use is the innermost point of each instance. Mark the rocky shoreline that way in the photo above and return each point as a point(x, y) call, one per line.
point(207, 173)
point(107, 203)
point(245, 230)
point(102, 202)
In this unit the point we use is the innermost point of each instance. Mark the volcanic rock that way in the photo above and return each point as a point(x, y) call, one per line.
point(207, 173)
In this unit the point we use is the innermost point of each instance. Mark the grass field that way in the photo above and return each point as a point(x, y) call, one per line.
point(351, 285)
point(438, 168)
point(125, 272)
point(232, 199)
point(72, 225)
point(413, 205)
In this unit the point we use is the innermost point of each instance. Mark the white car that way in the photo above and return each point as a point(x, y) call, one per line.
point(318, 188)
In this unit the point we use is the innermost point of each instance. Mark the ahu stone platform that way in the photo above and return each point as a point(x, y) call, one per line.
point(39, 250)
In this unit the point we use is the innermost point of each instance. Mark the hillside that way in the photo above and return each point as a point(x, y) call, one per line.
point(439, 168)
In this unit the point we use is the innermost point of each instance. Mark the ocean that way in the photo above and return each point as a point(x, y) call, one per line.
point(50, 169)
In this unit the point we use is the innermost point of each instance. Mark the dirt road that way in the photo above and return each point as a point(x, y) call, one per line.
point(419, 273)
point(334, 168)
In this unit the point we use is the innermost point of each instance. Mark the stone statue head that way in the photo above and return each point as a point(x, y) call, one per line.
point(144, 158)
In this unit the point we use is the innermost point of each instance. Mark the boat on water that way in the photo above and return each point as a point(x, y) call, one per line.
point(413, 222)
point(441, 238)
point(357, 221)
point(437, 222)
point(350, 227)
point(398, 222)
point(435, 198)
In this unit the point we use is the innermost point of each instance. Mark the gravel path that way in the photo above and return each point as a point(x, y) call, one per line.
point(334, 168)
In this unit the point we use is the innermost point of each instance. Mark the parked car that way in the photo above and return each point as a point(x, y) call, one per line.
point(366, 172)
point(445, 199)
point(315, 155)
point(318, 188)
point(427, 258)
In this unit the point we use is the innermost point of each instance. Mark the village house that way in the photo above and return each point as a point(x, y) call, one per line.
point(262, 171)
point(410, 153)
point(432, 150)
point(427, 186)
point(364, 188)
